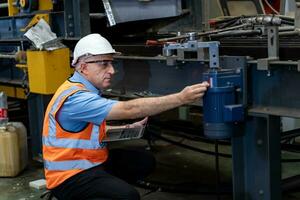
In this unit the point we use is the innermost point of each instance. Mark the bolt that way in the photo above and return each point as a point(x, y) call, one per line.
point(261, 192)
point(259, 142)
point(71, 34)
point(70, 25)
point(70, 16)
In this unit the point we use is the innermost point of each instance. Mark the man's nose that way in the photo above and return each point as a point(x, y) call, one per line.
point(112, 69)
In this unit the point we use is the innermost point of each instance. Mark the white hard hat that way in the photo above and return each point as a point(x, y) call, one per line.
point(93, 44)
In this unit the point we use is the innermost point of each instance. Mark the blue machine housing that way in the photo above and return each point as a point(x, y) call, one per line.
point(220, 103)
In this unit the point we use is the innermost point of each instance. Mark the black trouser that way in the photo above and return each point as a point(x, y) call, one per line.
point(106, 182)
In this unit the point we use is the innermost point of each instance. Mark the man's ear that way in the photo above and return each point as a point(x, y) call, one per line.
point(83, 68)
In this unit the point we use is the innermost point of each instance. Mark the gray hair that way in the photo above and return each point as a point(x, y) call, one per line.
point(80, 60)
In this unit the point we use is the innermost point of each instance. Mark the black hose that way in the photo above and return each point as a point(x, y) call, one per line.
point(287, 22)
point(195, 133)
point(190, 134)
point(290, 134)
point(291, 184)
point(190, 147)
point(286, 147)
point(291, 147)
point(290, 160)
point(191, 188)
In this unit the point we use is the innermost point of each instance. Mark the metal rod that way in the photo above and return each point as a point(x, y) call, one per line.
point(286, 28)
point(288, 33)
point(203, 33)
point(217, 169)
point(3, 5)
point(12, 56)
point(97, 15)
point(236, 33)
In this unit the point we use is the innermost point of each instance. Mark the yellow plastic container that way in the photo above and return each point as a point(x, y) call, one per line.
point(13, 149)
point(47, 70)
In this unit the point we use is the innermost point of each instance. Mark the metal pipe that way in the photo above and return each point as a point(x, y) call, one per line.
point(11, 56)
point(286, 28)
point(3, 5)
point(203, 33)
point(97, 15)
point(288, 33)
point(236, 33)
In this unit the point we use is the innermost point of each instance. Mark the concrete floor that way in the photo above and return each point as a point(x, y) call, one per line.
point(176, 166)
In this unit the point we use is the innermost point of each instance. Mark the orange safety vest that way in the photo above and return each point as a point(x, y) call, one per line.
point(67, 153)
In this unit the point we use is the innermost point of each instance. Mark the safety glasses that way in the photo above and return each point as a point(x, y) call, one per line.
point(104, 63)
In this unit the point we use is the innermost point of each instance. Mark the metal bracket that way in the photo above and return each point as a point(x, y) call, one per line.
point(193, 46)
point(35, 20)
point(298, 65)
point(109, 13)
point(297, 16)
point(264, 63)
point(273, 49)
point(76, 25)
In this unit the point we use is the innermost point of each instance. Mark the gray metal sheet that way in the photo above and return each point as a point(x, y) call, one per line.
point(133, 10)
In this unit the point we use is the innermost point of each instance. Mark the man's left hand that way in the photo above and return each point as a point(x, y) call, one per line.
point(138, 123)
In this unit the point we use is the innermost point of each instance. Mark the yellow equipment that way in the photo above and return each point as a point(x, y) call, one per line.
point(47, 70)
point(41, 5)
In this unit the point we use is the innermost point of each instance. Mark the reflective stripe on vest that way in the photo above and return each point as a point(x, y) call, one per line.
point(93, 143)
point(52, 140)
point(68, 165)
point(73, 143)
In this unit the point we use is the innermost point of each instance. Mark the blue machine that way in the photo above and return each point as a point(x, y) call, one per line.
point(220, 103)
point(221, 107)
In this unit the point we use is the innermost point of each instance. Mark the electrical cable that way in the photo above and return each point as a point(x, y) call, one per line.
point(291, 148)
point(290, 160)
point(290, 134)
point(286, 22)
point(288, 184)
point(182, 188)
point(195, 133)
point(214, 153)
point(286, 147)
point(291, 184)
point(229, 22)
point(271, 7)
point(190, 147)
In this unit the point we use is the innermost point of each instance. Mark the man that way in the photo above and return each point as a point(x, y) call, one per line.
point(75, 157)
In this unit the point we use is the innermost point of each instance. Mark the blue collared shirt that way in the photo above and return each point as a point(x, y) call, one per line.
point(83, 107)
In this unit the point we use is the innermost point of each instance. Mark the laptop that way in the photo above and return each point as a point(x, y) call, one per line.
point(120, 134)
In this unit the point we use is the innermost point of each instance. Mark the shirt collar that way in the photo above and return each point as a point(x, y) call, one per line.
point(77, 77)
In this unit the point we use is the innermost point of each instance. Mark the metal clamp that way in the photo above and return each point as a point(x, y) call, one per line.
point(193, 46)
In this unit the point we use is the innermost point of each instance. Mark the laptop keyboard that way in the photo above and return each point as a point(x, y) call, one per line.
point(130, 133)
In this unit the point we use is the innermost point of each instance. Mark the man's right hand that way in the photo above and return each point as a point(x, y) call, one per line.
point(193, 93)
